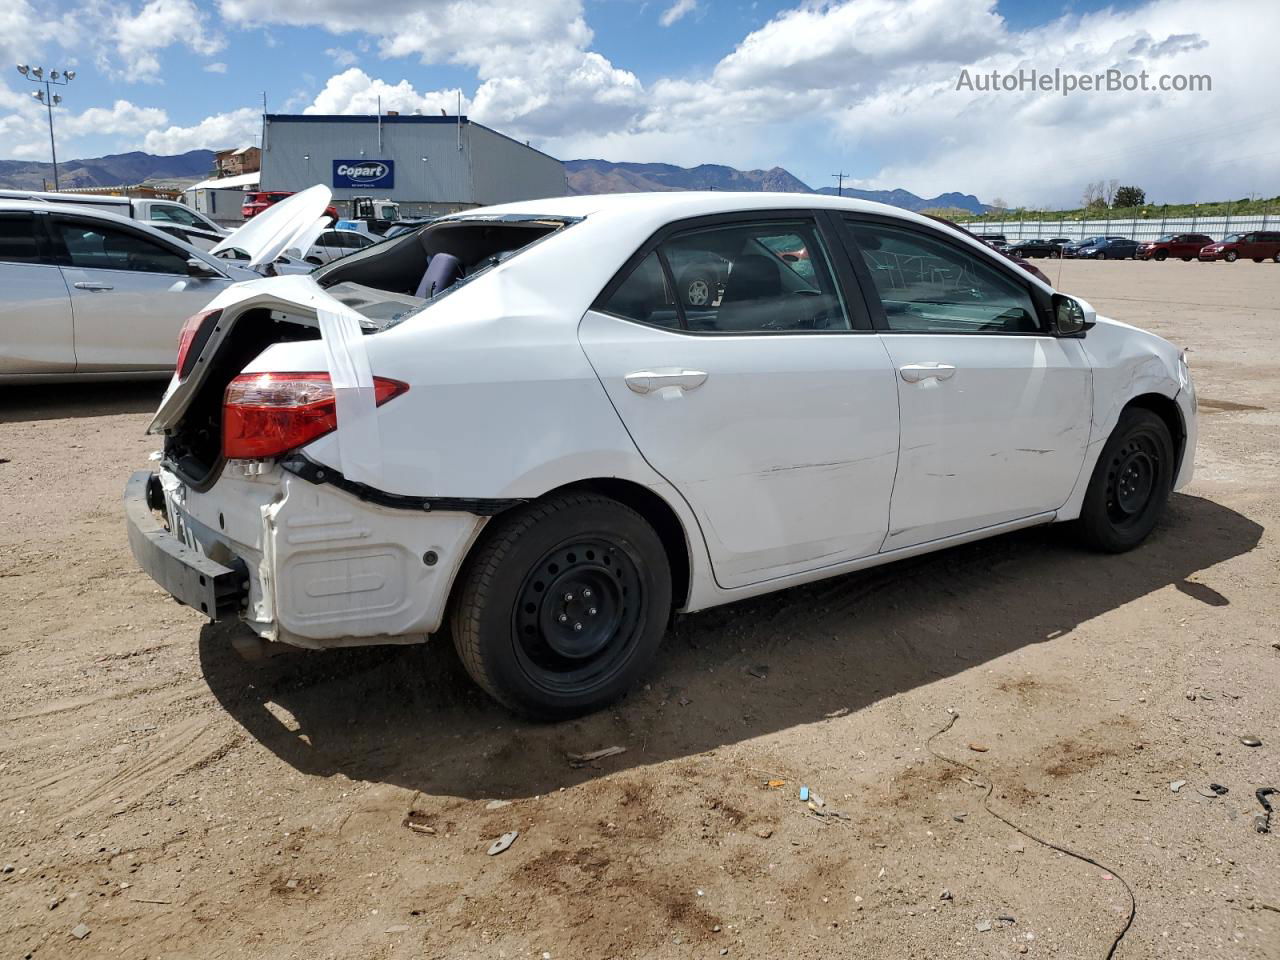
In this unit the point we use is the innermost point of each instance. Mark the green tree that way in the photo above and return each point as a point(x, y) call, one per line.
point(1130, 197)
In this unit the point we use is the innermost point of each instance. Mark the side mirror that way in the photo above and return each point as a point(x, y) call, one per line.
point(198, 268)
point(1072, 317)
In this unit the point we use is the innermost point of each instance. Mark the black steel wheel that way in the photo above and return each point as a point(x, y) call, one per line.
point(1161, 256)
point(1131, 483)
point(562, 605)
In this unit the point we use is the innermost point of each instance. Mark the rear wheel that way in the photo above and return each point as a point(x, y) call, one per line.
point(563, 605)
point(1131, 483)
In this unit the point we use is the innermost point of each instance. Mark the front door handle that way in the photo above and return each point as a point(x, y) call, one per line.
point(92, 285)
point(647, 381)
point(915, 372)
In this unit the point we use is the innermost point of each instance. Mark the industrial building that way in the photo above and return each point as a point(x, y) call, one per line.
point(429, 165)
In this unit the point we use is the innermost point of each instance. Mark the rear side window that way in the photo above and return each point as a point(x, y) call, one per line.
point(172, 213)
point(101, 247)
point(18, 239)
point(646, 296)
point(928, 286)
point(740, 278)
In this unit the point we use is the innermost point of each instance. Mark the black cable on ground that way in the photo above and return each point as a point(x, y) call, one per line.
point(986, 805)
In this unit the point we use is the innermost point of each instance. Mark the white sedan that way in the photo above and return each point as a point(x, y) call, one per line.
point(512, 416)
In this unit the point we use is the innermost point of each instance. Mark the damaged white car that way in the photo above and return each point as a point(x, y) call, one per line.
point(513, 421)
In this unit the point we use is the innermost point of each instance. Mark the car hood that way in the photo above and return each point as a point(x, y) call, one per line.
point(274, 230)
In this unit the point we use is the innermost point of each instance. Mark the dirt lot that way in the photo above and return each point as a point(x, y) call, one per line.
point(181, 802)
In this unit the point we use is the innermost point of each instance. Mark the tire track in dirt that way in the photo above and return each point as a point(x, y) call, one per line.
point(192, 744)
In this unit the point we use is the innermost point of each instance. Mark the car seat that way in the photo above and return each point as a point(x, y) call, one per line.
point(443, 271)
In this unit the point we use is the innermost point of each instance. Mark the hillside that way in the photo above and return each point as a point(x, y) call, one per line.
point(604, 176)
point(109, 171)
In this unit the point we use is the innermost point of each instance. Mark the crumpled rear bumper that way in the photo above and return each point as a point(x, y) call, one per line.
point(300, 562)
point(217, 590)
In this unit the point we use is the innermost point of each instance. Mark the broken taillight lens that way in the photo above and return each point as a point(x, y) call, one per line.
point(268, 414)
point(195, 334)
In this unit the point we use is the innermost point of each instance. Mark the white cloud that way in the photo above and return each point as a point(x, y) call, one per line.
point(537, 74)
point(677, 11)
point(354, 91)
point(157, 25)
point(233, 129)
point(341, 56)
point(215, 68)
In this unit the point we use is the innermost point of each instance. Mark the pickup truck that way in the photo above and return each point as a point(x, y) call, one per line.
point(168, 215)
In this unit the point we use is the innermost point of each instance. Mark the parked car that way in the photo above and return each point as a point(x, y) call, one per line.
point(255, 201)
point(333, 244)
point(996, 241)
point(1256, 246)
point(1035, 248)
point(87, 294)
point(154, 211)
point(512, 415)
point(1106, 248)
point(1073, 248)
point(1026, 265)
point(1184, 245)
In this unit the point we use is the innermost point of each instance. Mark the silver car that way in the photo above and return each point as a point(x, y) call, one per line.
point(87, 294)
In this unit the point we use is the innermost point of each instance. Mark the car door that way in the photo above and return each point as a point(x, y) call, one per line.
point(995, 411)
point(769, 403)
point(130, 293)
point(35, 306)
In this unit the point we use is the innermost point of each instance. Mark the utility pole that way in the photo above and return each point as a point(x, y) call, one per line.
point(839, 178)
point(49, 99)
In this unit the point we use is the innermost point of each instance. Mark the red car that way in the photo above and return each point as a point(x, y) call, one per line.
point(1257, 246)
point(1184, 245)
point(257, 201)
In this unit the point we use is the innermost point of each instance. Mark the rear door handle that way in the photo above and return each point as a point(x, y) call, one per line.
point(647, 381)
point(92, 285)
point(915, 372)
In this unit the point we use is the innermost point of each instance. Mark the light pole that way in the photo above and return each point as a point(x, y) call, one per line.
point(49, 99)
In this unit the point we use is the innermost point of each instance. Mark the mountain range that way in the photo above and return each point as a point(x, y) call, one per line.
point(584, 176)
point(604, 176)
point(114, 170)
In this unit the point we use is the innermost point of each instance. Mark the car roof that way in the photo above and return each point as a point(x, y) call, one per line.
point(679, 204)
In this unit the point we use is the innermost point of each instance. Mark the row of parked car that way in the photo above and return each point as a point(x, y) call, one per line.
point(1257, 246)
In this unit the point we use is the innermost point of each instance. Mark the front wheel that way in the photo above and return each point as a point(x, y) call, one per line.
point(563, 605)
point(1230, 256)
point(1130, 485)
point(1099, 255)
point(1162, 256)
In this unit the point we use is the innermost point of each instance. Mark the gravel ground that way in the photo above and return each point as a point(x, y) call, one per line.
point(175, 800)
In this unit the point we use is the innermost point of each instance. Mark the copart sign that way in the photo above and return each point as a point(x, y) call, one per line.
point(364, 173)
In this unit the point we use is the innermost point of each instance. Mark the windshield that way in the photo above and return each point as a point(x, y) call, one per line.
point(1232, 238)
point(1165, 239)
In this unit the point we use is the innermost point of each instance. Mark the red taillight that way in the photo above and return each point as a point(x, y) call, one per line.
point(190, 330)
point(267, 414)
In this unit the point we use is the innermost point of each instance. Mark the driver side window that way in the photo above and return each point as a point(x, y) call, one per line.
point(929, 286)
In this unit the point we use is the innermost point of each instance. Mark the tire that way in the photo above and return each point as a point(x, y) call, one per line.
point(1257, 259)
point(1130, 485)
point(1186, 259)
point(506, 620)
point(1161, 256)
point(1099, 255)
point(698, 288)
point(1276, 258)
point(1230, 256)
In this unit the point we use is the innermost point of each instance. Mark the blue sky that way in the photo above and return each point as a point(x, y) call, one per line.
point(864, 86)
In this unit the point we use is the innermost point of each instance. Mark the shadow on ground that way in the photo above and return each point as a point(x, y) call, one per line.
point(60, 401)
point(409, 715)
